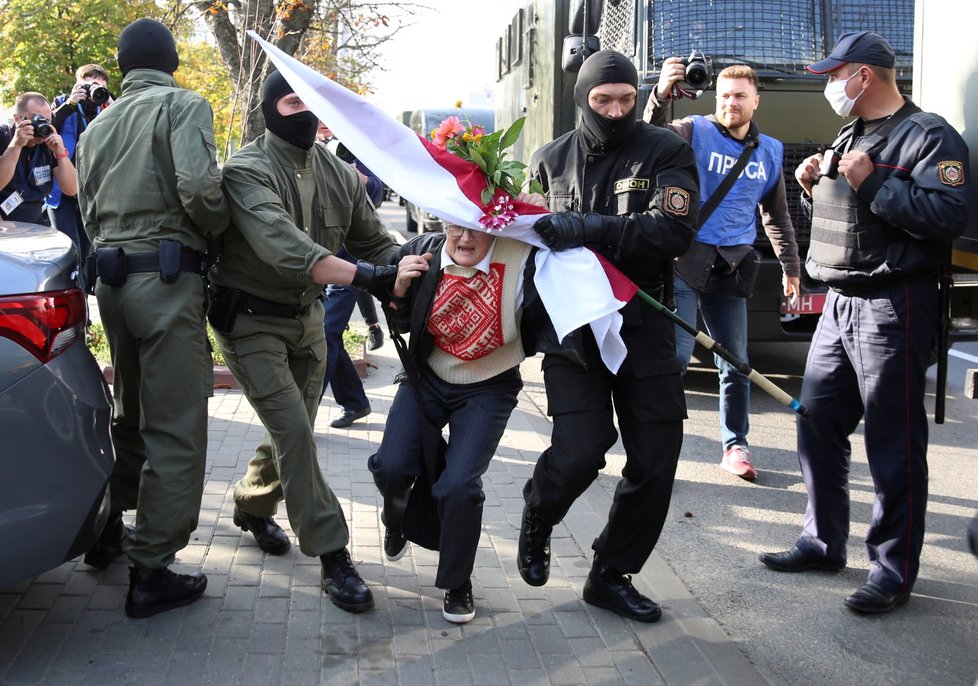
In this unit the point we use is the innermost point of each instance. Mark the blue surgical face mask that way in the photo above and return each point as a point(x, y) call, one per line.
point(835, 93)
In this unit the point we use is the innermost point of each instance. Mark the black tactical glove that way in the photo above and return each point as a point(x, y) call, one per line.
point(376, 277)
point(565, 230)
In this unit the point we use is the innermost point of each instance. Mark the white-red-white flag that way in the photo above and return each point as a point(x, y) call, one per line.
point(575, 287)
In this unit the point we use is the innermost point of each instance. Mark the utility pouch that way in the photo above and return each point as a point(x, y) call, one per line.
point(111, 265)
point(223, 309)
point(170, 254)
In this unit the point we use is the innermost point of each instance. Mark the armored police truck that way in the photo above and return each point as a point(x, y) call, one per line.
point(776, 37)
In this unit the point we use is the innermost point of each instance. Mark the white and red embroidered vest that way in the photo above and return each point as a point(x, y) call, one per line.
point(474, 319)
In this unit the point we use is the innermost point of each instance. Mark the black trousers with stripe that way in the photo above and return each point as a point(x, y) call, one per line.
point(868, 361)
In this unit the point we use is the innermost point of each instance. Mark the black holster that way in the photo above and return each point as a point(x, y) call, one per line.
point(89, 268)
point(223, 309)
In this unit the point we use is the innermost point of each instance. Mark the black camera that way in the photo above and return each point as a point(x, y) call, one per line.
point(96, 93)
point(697, 71)
point(829, 168)
point(42, 127)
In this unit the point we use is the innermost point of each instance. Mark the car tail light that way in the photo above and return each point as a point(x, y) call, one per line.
point(46, 324)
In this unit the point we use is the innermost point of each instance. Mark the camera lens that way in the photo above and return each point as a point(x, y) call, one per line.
point(98, 94)
point(42, 127)
point(697, 75)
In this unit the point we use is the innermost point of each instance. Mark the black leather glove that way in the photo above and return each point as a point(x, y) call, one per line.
point(374, 276)
point(565, 230)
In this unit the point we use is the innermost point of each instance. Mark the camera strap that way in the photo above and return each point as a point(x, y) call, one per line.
point(750, 144)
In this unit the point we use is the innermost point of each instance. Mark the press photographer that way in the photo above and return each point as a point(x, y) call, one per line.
point(34, 157)
point(740, 172)
point(73, 112)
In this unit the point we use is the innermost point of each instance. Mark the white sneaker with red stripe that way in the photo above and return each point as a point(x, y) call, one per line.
point(736, 460)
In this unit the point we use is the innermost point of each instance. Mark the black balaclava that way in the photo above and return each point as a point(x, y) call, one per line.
point(605, 66)
point(147, 44)
point(298, 129)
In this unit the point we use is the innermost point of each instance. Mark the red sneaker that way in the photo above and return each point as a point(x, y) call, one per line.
point(736, 460)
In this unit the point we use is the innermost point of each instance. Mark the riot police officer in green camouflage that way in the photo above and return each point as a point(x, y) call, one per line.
point(151, 200)
point(293, 204)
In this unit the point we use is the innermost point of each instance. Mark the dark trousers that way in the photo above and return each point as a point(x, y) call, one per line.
point(868, 361)
point(476, 415)
point(368, 310)
point(582, 401)
point(341, 376)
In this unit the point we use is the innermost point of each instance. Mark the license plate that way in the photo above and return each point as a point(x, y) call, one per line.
point(807, 303)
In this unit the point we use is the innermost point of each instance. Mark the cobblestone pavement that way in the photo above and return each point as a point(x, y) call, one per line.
point(264, 620)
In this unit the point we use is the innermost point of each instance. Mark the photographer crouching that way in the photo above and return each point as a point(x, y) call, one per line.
point(34, 157)
point(73, 112)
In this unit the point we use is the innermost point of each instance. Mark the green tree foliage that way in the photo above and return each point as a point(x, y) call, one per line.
point(45, 41)
point(201, 70)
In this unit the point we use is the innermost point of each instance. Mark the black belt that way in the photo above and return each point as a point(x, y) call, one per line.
point(190, 261)
point(252, 304)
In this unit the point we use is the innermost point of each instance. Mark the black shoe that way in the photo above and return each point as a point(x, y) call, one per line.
point(152, 591)
point(342, 583)
point(798, 560)
point(109, 544)
point(267, 533)
point(395, 544)
point(873, 600)
point(375, 336)
point(533, 555)
point(348, 417)
point(459, 607)
point(608, 588)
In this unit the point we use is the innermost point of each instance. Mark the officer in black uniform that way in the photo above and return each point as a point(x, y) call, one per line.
point(629, 191)
point(886, 201)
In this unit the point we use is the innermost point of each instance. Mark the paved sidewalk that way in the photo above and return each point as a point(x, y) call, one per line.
point(264, 620)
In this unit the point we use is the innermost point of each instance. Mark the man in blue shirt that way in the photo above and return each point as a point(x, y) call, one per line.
point(73, 112)
point(31, 163)
point(714, 277)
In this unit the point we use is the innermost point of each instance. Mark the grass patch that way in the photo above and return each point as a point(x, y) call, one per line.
point(353, 341)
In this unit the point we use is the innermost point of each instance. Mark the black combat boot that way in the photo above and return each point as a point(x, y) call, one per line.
point(267, 533)
point(152, 591)
point(109, 544)
point(533, 555)
point(342, 583)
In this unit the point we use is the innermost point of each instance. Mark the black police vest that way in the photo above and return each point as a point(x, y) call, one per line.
point(845, 232)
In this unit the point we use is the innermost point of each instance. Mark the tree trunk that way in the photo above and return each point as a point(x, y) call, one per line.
point(244, 59)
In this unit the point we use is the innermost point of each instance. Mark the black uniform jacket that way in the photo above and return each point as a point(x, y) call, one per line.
point(648, 189)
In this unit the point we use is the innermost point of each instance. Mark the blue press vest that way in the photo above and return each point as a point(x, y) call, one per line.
point(733, 221)
point(70, 137)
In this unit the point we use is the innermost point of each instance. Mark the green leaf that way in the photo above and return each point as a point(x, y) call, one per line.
point(479, 160)
point(487, 194)
point(536, 186)
point(512, 133)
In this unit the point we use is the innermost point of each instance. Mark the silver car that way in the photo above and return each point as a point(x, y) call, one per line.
point(55, 407)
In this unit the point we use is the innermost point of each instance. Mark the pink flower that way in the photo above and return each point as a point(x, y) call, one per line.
point(499, 213)
point(449, 128)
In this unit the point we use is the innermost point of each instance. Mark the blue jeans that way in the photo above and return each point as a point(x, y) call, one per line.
point(341, 376)
point(726, 323)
